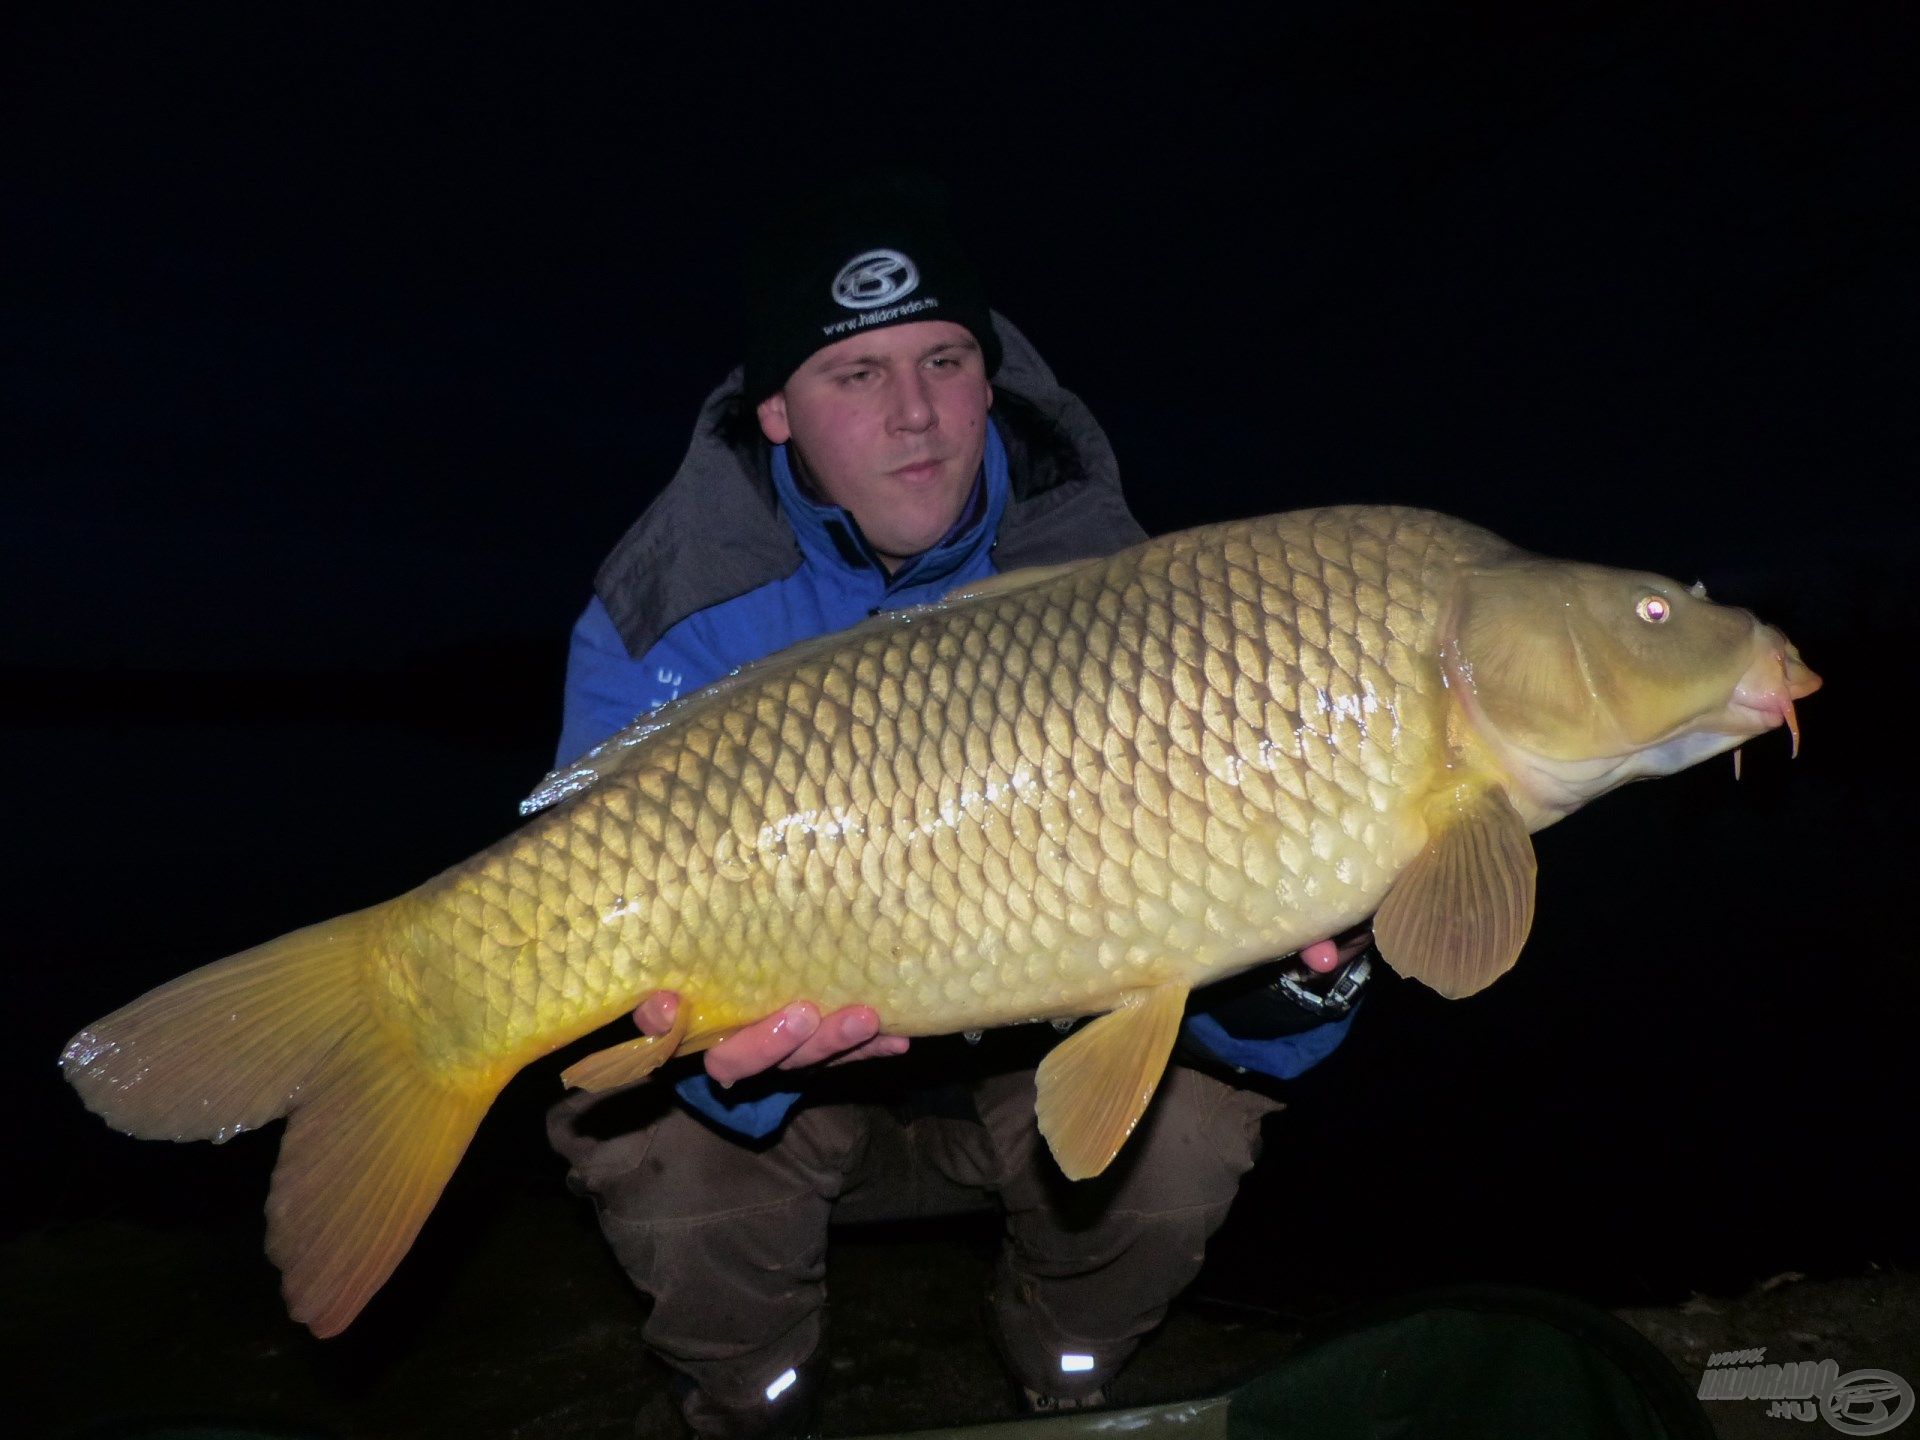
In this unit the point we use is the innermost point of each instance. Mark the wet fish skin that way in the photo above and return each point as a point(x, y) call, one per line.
point(1078, 791)
point(1183, 759)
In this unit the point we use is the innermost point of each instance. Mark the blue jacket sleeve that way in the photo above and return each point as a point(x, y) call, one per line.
point(1284, 1057)
point(607, 689)
point(746, 1109)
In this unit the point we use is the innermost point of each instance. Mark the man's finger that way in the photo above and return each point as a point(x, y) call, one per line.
point(763, 1044)
point(654, 1015)
point(1321, 957)
point(1325, 956)
point(877, 1048)
point(841, 1031)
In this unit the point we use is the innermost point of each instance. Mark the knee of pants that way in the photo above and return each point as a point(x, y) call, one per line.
point(729, 1239)
point(1187, 1155)
point(729, 1285)
point(674, 1168)
point(1195, 1143)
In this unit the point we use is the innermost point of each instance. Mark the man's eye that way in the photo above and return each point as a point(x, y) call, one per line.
point(854, 377)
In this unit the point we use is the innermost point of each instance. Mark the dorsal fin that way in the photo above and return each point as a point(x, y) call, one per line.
point(610, 754)
point(1007, 583)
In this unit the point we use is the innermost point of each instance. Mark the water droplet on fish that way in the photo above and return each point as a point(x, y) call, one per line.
point(972, 1037)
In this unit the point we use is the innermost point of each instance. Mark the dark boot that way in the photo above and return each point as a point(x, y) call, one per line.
point(790, 1412)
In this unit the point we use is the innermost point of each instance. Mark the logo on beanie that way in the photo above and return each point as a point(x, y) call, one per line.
point(874, 278)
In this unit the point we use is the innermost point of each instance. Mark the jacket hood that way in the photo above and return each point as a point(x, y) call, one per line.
point(720, 504)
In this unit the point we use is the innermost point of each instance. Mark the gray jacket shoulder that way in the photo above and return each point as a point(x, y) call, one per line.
point(715, 531)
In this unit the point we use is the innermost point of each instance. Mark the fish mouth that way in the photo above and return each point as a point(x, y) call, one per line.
point(1763, 698)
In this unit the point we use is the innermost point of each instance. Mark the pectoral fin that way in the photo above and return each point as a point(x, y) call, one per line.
point(629, 1061)
point(1458, 915)
point(1095, 1085)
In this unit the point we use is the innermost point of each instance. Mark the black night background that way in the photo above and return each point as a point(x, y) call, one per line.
point(339, 346)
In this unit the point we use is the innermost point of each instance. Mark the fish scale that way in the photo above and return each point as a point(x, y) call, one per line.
point(1012, 808)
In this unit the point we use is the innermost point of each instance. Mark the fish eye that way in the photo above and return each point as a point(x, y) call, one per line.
point(1653, 609)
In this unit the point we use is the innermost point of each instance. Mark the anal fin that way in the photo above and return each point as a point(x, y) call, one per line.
point(628, 1061)
point(1094, 1086)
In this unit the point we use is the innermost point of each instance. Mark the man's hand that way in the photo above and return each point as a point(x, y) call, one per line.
point(797, 1036)
point(788, 1039)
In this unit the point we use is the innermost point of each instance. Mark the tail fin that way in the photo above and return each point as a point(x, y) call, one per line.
point(287, 1028)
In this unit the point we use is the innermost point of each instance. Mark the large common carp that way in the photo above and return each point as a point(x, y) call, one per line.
point(1062, 792)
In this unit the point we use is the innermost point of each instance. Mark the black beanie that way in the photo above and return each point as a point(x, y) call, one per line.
point(864, 254)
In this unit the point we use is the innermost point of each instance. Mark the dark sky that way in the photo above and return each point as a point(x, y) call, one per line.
point(339, 347)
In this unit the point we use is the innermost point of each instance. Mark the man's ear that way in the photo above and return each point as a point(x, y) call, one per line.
point(773, 418)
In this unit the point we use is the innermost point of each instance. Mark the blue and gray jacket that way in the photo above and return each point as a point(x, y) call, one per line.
point(734, 561)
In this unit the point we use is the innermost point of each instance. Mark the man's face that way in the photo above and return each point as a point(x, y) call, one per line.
point(892, 425)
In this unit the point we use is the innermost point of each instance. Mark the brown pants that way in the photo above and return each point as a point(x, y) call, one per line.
point(730, 1237)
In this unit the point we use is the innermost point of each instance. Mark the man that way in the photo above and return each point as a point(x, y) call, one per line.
point(888, 440)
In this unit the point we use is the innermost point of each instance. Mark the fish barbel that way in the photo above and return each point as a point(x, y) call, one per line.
point(1073, 791)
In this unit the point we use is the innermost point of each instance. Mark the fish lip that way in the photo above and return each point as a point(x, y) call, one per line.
point(1764, 696)
point(1754, 717)
point(1806, 683)
point(1758, 703)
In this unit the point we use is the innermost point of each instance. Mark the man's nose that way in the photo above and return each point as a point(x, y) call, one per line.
point(912, 402)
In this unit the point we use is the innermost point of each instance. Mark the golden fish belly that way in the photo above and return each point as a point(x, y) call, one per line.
point(1165, 765)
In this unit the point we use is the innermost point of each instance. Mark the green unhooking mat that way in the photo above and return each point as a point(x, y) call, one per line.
point(1476, 1363)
